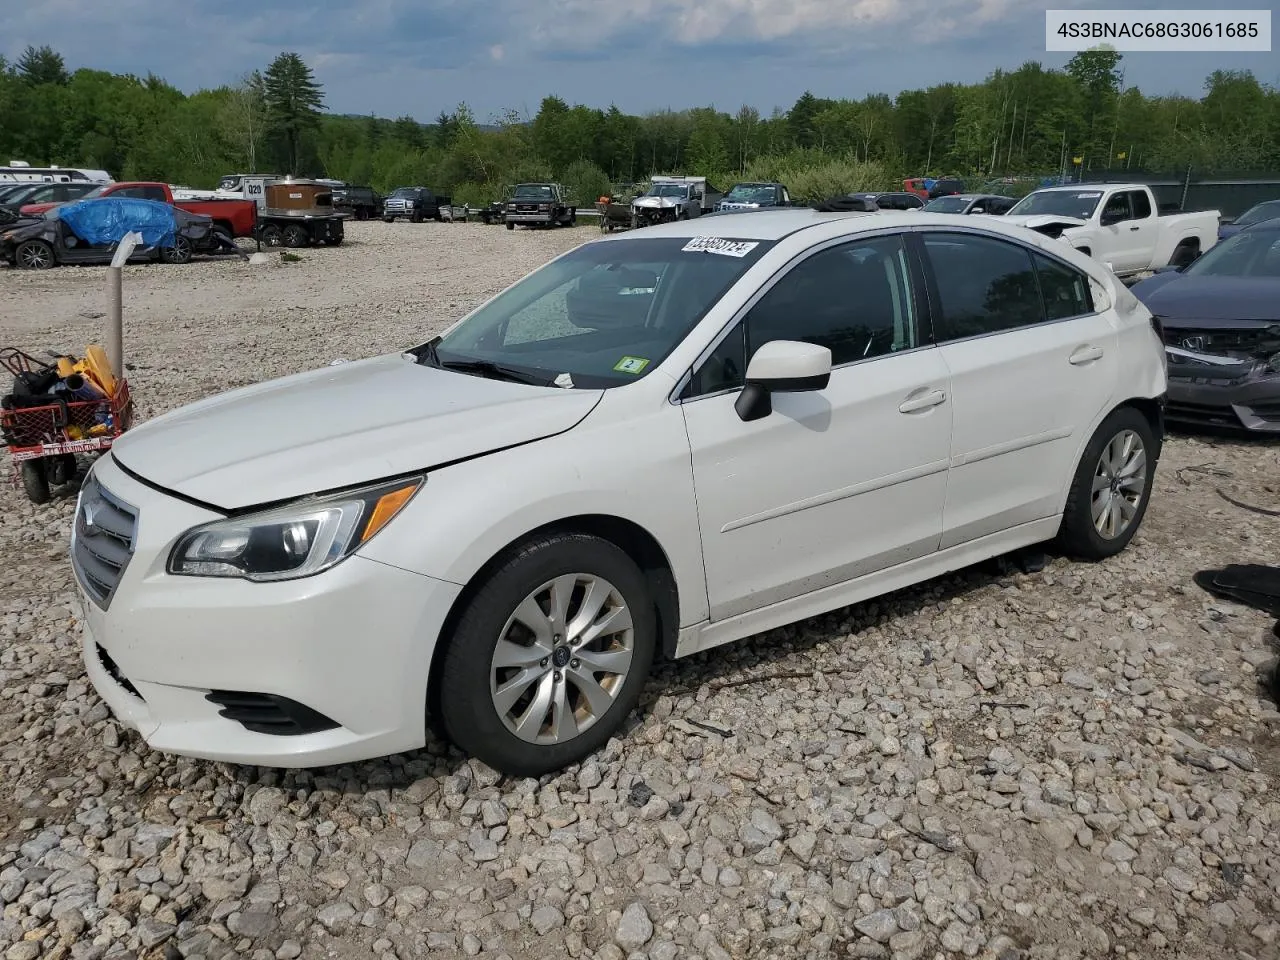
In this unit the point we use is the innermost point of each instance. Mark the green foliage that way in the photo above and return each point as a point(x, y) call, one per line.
point(1030, 121)
point(585, 182)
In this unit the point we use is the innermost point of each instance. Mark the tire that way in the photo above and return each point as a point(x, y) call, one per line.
point(271, 236)
point(179, 253)
point(34, 255)
point(388, 219)
point(362, 213)
point(469, 677)
point(61, 469)
point(510, 226)
point(1079, 535)
point(415, 217)
point(296, 235)
point(35, 481)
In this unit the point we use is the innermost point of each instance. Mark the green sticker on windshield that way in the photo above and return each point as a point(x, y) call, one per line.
point(631, 365)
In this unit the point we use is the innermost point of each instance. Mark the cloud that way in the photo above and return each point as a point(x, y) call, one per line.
point(418, 57)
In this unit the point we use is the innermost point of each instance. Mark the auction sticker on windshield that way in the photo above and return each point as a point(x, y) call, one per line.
point(726, 248)
point(631, 365)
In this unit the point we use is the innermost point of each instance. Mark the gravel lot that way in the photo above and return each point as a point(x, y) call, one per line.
point(1074, 763)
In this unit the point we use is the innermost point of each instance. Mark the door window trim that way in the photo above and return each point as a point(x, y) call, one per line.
point(936, 317)
point(925, 333)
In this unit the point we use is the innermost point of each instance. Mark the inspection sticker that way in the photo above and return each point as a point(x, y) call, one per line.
point(726, 248)
point(631, 365)
point(1088, 196)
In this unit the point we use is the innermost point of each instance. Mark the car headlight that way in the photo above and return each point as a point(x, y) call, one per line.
point(297, 540)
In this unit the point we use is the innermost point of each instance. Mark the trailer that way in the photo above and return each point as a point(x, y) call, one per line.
point(299, 213)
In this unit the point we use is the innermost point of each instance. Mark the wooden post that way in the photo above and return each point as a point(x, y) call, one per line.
point(115, 321)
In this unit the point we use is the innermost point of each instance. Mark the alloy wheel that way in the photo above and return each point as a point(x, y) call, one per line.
point(1119, 484)
point(562, 658)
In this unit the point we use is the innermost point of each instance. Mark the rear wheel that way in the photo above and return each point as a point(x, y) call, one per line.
point(179, 253)
point(35, 255)
point(415, 217)
point(296, 235)
point(35, 481)
point(271, 236)
point(62, 468)
point(1111, 487)
point(549, 656)
point(510, 225)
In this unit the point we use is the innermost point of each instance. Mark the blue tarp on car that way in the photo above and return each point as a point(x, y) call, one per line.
point(103, 221)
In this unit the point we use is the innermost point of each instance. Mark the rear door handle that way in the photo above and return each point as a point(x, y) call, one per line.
point(1086, 355)
point(1135, 228)
point(931, 399)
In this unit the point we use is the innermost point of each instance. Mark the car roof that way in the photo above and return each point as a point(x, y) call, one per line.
point(1092, 187)
point(773, 224)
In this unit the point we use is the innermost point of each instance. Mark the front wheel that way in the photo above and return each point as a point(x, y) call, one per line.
point(549, 656)
point(34, 255)
point(510, 225)
point(1111, 488)
point(271, 236)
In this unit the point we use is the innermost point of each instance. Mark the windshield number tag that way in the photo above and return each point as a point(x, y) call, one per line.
point(632, 365)
point(726, 248)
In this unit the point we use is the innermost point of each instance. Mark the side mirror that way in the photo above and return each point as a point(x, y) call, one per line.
point(782, 366)
point(977, 210)
point(1110, 219)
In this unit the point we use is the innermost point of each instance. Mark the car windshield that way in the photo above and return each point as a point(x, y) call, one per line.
point(750, 193)
point(668, 190)
point(1250, 253)
point(1079, 204)
point(1263, 211)
point(947, 205)
point(602, 315)
point(403, 192)
point(533, 191)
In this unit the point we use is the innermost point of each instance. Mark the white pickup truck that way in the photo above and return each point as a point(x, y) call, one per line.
point(1117, 223)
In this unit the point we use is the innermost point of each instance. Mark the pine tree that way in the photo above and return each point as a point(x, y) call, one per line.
point(40, 65)
point(294, 100)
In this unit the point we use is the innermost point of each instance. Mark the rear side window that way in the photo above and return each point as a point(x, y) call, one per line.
point(1140, 204)
point(1064, 289)
point(983, 285)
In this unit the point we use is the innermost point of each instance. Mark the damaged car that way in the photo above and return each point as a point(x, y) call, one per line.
point(1221, 320)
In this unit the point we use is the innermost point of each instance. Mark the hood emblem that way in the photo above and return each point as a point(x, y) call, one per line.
point(1193, 343)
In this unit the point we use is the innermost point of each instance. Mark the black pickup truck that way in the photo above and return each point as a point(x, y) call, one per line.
point(540, 205)
point(416, 203)
point(364, 203)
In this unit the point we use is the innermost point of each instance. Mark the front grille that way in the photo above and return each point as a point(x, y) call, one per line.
point(268, 713)
point(101, 541)
point(1226, 342)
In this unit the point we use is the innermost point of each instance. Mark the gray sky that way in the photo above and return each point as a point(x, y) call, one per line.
point(418, 57)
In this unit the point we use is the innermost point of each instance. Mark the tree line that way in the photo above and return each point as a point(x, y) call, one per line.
point(1033, 120)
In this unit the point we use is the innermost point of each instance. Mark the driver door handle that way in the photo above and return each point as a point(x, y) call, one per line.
point(931, 399)
point(1086, 354)
point(1135, 228)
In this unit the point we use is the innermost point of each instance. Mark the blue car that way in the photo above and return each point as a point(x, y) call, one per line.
point(1259, 212)
point(1221, 320)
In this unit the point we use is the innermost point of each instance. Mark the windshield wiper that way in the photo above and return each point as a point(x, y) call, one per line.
point(428, 355)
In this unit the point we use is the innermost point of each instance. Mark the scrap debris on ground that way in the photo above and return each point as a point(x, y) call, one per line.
point(1034, 760)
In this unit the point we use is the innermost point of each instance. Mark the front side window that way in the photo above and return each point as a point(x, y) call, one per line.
point(603, 315)
point(983, 285)
point(1117, 209)
point(855, 299)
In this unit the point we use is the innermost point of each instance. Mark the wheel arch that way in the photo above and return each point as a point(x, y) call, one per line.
point(629, 536)
point(1151, 408)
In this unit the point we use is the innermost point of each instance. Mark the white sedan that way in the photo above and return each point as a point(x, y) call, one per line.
point(657, 443)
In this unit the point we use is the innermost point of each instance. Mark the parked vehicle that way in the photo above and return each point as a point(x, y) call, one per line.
point(13, 201)
point(363, 203)
point(801, 428)
point(540, 205)
point(494, 212)
point(674, 198)
point(1268, 210)
point(235, 218)
point(78, 234)
point(754, 196)
point(891, 200)
point(300, 213)
point(1119, 224)
point(1221, 321)
point(20, 171)
point(416, 203)
point(930, 188)
point(970, 203)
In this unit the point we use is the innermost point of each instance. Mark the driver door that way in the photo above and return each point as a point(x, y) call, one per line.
point(833, 484)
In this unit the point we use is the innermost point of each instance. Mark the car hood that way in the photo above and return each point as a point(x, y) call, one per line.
point(1178, 297)
point(339, 426)
point(658, 201)
point(1039, 221)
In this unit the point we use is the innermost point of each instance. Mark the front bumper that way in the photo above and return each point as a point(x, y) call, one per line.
point(353, 646)
point(1250, 403)
point(531, 216)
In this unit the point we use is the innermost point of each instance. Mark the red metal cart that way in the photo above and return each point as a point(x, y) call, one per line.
point(44, 437)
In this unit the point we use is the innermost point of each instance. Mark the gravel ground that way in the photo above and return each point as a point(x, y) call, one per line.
point(1073, 763)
